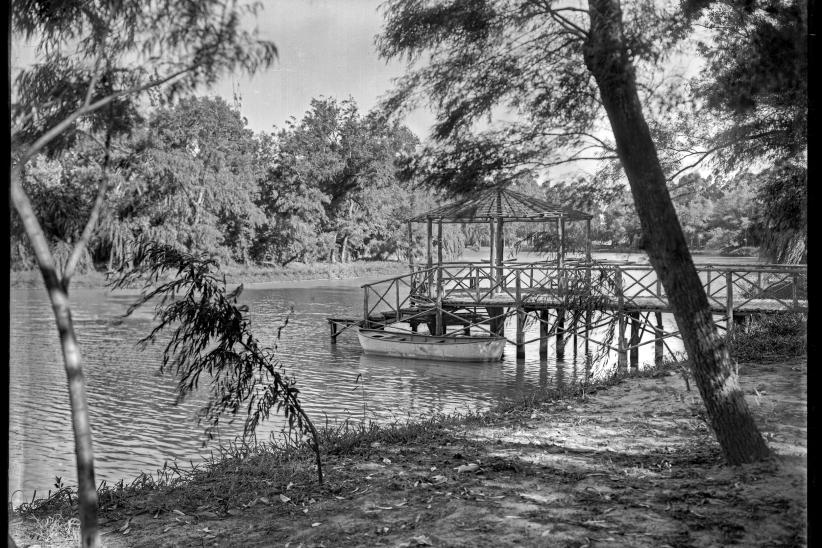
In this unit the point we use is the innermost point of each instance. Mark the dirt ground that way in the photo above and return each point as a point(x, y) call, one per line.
point(633, 465)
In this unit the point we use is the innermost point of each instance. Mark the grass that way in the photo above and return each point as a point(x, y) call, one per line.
point(402, 459)
point(242, 471)
point(771, 337)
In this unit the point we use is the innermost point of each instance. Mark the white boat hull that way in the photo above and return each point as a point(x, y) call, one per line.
point(429, 347)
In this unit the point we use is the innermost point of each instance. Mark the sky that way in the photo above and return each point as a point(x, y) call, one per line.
point(325, 47)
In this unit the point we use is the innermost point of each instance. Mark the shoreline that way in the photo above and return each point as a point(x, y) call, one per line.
point(273, 276)
point(251, 276)
point(630, 462)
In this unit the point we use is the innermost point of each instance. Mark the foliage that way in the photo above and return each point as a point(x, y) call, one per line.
point(98, 59)
point(191, 182)
point(771, 338)
point(211, 336)
point(331, 189)
point(755, 81)
point(783, 213)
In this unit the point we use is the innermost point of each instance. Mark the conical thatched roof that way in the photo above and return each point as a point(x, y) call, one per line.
point(496, 203)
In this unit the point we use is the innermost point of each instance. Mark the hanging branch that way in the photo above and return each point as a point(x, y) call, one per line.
point(211, 335)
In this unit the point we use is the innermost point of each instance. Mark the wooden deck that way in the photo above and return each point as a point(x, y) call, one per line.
point(482, 296)
point(534, 299)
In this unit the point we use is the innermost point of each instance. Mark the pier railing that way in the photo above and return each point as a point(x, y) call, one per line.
point(481, 297)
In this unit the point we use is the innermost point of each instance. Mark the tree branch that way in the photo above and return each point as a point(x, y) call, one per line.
point(88, 108)
point(91, 223)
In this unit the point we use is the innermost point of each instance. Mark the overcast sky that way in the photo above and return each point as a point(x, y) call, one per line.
point(326, 47)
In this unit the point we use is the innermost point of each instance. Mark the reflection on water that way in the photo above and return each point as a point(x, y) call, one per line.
point(137, 425)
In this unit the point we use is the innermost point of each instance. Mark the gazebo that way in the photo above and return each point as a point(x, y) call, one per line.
point(496, 206)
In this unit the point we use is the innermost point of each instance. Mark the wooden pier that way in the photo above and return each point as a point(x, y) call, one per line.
point(569, 301)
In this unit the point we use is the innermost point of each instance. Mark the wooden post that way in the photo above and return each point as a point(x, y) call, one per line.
point(493, 255)
point(429, 279)
point(636, 337)
point(397, 287)
point(795, 290)
point(588, 241)
point(410, 247)
point(560, 333)
point(587, 331)
point(520, 317)
point(561, 251)
point(500, 249)
point(659, 342)
point(708, 285)
point(365, 310)
point(622, 353)
point(544, 318)
point(333, 326)
point(430, 233)
point(440, 327)
point(729, 291)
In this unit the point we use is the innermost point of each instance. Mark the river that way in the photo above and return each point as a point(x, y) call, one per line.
point(136, 425)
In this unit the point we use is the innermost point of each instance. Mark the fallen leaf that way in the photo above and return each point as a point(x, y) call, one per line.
point(178, 512)
point(289, 486)
point(421, 540)
point(265, 500)
point(386, 460)
point(167, 529)
point(284, 498)
point(439, 479)
point(316, 524)
point(471, 467)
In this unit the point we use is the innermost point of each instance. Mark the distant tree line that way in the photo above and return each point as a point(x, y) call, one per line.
point(331, 187)
point(193, 176)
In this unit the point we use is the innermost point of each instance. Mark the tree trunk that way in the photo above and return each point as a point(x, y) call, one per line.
point(56, 288)
point(344, 250)
point(607, 58)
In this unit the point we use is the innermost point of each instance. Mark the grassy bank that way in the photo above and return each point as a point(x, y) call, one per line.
point(237, 274)
point(628, 462)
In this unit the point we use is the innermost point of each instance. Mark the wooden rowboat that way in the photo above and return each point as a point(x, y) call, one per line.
point(430, 347)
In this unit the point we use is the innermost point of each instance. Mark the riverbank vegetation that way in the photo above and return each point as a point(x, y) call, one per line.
point(629, 462)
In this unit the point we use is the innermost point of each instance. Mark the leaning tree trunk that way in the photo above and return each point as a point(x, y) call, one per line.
point(58, 295)
point(607, 58)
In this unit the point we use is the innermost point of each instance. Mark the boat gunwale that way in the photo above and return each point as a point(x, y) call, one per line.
point(461, 339)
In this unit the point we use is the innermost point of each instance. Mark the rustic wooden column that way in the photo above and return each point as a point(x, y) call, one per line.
point(440, 328)
point(410, 247)
point(500, 249)
point(636, 337)
point(729, 291)
point(560, 333)
point(520, 318)
point(659, 342)
point(492, 258)
point(561, 251)
point(622, 353)
point(430, 234)
point(588, 241)
point(544, 318)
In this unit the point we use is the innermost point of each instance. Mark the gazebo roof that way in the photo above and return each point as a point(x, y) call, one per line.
point(498, 202)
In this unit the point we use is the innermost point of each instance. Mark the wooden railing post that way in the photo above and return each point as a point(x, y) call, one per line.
point(659, 341)
point(622, 352)
point(708, 284)
point(397, 287)
point(729, 305)
point(795, 290)
point(440, 329)
point(365, 310)
point(520, 316)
